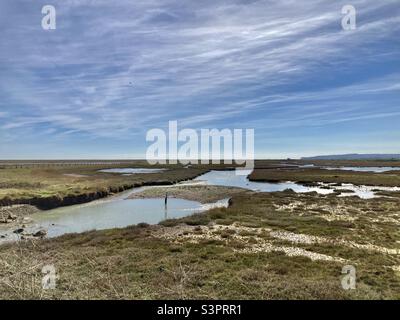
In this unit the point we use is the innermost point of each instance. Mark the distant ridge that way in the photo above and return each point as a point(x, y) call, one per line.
point(355, 156)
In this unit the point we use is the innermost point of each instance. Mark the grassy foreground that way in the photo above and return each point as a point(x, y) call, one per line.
point(264, 246)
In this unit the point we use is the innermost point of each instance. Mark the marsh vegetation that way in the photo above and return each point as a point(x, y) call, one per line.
point(265, 245)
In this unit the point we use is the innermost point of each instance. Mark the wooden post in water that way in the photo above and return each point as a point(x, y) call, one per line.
point(165, 206)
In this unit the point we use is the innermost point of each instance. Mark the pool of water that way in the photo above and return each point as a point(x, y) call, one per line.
point(229, 178)
point(364, 192)
point(364, 169)
point(117, 211)
point(132, 170)
point(111, 214)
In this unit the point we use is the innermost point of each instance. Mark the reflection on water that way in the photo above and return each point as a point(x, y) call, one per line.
point(364, 169)
point(111, 214)
point(131, 170)
point(364, 192)
point(116, 212)
point(229, 178)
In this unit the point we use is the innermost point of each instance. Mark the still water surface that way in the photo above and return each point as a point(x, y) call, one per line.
point(364, 169)
point(118, 212)
point(111, 214)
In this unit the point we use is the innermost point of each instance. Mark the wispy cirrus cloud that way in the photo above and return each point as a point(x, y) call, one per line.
point(113, 70)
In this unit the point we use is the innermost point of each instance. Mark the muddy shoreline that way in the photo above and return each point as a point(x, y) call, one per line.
point(311, 176)
point(201, 193)
point(53, 202)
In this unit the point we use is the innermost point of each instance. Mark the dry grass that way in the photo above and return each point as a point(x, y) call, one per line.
point(47, 187)
point(201, 193)
point(264, 246)
point(311, 176)
point(251, 250)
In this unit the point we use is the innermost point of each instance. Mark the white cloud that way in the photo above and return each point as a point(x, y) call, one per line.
point(112, 70)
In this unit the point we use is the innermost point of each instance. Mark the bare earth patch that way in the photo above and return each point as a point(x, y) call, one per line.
point(251, 241)
point(16, 214)
point(75, 175)
point(193, 192)
point(307, 239)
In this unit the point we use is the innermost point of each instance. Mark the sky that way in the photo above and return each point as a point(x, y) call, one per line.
point(112, 70)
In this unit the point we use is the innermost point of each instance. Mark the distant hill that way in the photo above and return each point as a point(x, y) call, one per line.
point(355, 156)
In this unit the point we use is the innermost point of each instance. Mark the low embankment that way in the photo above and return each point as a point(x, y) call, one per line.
point(314, 175)
point(53, 187)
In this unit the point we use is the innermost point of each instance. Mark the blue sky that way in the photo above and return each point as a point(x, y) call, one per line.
point(114, 69)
